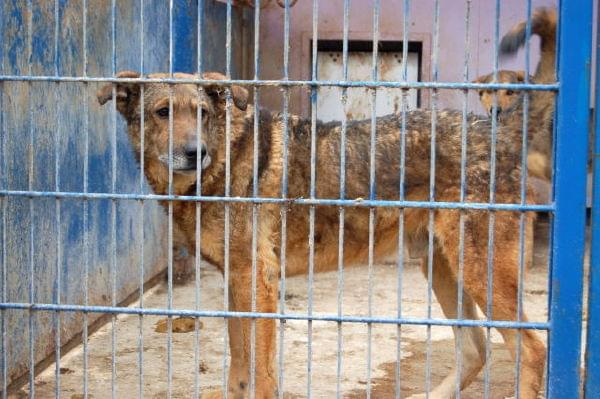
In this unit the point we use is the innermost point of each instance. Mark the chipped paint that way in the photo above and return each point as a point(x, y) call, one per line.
point(31, 108)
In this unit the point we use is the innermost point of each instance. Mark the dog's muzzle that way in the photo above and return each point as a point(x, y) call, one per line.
point(498, 112)
point(186, 159)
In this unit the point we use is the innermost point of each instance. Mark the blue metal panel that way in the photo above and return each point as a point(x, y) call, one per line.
point(185, 17)
point(71, 74)
point(592, 360)
point(65, 119)
point(574, 62)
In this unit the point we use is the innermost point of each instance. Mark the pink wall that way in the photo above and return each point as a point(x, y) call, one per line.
point(451, 46)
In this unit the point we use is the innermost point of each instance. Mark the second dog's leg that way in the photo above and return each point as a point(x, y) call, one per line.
point(505, 281)
point(470, 340)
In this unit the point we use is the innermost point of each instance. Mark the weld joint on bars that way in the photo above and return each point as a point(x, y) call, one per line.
point(287, 83)
point(288, 316)
point(290, 201)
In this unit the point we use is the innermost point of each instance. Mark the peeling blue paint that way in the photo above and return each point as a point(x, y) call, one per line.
point(57, 114)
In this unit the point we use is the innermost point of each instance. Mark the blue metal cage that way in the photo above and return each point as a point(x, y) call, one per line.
point(68, 211)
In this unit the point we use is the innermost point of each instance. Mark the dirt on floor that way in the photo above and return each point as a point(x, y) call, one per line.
point(197, 354)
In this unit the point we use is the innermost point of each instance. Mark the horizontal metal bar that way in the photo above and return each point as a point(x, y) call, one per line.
point(260, 315)
point(287, 83)
point(290, 201)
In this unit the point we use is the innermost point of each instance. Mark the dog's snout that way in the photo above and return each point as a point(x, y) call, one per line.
point(191, 150)
point(498, 111)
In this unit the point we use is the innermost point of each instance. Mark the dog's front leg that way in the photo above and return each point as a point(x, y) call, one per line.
point(240, 287)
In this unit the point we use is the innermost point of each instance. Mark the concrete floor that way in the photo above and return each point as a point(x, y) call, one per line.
point(415, 354)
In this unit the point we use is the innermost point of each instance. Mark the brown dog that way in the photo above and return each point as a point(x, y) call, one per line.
point(209, 159)
point(538, 162)
point(543, 23)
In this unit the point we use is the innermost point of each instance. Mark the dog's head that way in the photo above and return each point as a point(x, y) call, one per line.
point(178, 107)
point(506, 98)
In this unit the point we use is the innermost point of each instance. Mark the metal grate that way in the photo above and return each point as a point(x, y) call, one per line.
point(567, 209)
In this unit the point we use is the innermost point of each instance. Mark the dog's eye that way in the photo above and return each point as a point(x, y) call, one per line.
point(509, 92)
point(163, 112)
point(481, 94)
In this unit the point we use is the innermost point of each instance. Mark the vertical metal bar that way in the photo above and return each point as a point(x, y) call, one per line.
point(372, 187)
point(344, 123)
point(255, 177)
point(284, 188)
point(524, 171)
point(57, 300)
point(492, 214)
point(113, 213)
point(86, 134)
point(141, 214)
point(226, 232)
point(170, 218)
point(434, 104)
point(311, 210)
point(401, 194)
point(4, 181)
point(575, 24)
point(592, 353)
point(30, 180)
point(198, 228)
point(463, 190)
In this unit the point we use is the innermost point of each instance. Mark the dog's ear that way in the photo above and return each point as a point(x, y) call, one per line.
point(126, 93)
point(520, 76)
point(238, 93)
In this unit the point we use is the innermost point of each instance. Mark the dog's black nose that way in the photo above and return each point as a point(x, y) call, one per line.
point(191, 151)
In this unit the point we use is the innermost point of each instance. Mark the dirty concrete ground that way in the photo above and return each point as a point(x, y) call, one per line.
point(415, 354)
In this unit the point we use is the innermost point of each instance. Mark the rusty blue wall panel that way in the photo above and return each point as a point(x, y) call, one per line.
point(42, 112)
point(47, 109)
point(214, 38)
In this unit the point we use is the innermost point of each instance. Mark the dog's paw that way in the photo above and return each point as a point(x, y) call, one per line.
point(418, 396)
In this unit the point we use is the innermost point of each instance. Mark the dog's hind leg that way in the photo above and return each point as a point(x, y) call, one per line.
point(470, 340)
point(505, 283)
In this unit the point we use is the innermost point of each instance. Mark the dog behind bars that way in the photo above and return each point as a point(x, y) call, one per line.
point(207, 155)
point(543, 24)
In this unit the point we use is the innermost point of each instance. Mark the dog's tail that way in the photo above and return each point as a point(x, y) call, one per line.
point(543, 24)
